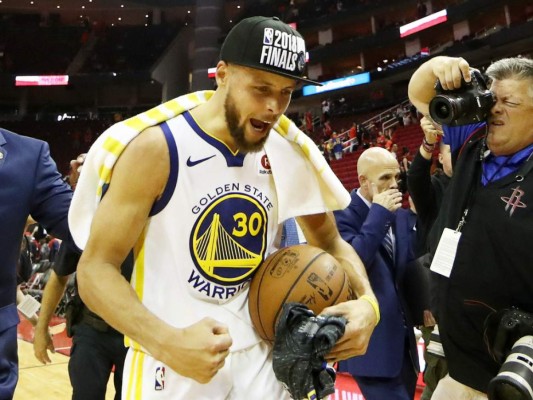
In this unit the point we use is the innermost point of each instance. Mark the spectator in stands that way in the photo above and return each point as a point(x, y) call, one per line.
point(352, 137)
point(406, 116)
point(327, 130)
point(427, 192)
point(388, 137)
point(32, 186)
point(399, 115)
point(328, 146)
point(378, 229)
point(326, 110)
point(487, 201)
point(336, 142)
point(394, 151)
point(381, 140)
point(365, 135)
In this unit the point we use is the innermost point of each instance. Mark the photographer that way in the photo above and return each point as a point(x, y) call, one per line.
point(486, 215)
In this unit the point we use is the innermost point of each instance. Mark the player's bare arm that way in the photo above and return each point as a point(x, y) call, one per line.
point(320, 230)
point(139, 178)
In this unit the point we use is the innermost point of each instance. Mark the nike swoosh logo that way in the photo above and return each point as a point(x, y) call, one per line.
point(191, 163)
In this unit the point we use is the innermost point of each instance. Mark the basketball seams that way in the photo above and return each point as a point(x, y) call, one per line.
point(344, 279)
point(295, 282)
point(281, 279)
point(264, 270)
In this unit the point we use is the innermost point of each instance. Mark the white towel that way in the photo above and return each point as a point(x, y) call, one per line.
point(304, 181)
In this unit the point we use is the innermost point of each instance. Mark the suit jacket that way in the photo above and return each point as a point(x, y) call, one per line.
point(365, 228)
point(29, 184)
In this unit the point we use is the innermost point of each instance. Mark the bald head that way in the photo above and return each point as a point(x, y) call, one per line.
point(372, 158)
point(378, 171)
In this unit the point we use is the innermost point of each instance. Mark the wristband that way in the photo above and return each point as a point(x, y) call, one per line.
point(429, 147)
point(373, 302)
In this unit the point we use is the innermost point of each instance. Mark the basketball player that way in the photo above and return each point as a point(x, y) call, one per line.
point(196, 200)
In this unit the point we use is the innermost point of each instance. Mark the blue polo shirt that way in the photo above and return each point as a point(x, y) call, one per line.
point(494, 167)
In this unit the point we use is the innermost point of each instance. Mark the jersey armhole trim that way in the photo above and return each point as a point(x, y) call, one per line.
point(160, 204)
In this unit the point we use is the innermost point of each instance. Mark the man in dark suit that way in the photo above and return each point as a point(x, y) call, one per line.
point(29, 184)
point(378, 228)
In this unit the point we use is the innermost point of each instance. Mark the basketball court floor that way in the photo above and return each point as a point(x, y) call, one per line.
point(51, 381)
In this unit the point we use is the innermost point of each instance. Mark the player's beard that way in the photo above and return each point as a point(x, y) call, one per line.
point(238, 132)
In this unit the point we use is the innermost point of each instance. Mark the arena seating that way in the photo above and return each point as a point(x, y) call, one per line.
point(346, 169)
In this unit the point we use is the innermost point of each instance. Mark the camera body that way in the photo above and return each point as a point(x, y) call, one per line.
point(512, 346)
point(469, 104)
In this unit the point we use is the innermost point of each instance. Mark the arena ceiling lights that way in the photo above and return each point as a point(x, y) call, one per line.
point(41, 80)
point(423, 23)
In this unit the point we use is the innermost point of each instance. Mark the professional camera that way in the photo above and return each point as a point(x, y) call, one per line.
point(509, 335)
point(469, 104)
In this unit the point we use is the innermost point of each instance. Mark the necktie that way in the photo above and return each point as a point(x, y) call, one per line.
point(289, 235)
point(387, 243)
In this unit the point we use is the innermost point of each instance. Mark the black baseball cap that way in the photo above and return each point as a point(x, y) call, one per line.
point(268, 44)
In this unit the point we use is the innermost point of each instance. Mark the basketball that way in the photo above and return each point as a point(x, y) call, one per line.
point(302, 274)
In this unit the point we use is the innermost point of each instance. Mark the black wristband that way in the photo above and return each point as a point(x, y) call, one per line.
point(429, 147)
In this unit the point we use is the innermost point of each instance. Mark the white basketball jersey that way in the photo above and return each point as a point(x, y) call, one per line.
point(214, 224)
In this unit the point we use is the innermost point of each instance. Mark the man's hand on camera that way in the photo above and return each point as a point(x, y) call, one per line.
point(450, 71)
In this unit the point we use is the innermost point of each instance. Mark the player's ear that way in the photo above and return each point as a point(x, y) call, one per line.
point(222, 73)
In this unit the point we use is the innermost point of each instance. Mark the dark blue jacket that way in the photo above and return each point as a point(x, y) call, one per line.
point(365, 228)
point(29, 184)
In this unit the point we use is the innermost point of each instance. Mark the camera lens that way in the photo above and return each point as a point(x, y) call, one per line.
point(508, 391)
point(515, 378)
point(442, 109)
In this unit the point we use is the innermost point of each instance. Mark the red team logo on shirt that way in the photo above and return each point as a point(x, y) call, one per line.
point(265, 166)
point(264, 162)
point(513, 202)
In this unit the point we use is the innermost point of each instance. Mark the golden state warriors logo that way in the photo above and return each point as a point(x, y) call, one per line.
point(229, 238)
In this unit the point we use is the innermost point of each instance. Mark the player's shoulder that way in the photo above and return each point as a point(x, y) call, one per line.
point(147, 153)
point(148, 144)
